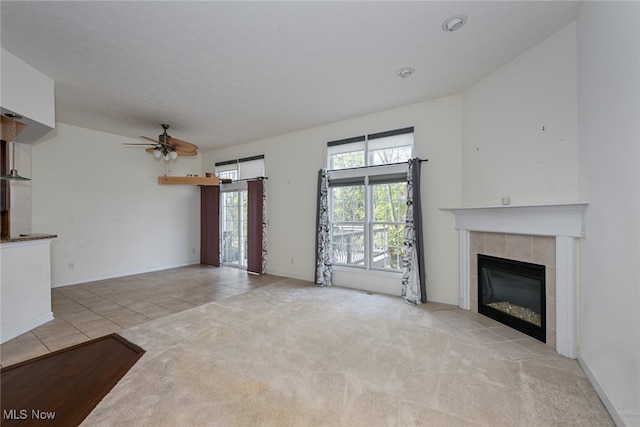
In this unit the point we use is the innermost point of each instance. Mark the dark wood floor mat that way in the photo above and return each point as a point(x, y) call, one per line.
point(63, 387)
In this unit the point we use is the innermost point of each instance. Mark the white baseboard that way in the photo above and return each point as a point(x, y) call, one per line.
point(77, 281)
point(618, 417)
point(22, 329)
point(372, 287)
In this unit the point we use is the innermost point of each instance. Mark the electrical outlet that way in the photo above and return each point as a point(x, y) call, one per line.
point(71, 266)
point(193, 251)
point(291, 260)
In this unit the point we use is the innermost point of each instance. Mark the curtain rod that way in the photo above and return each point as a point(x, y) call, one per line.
point(375, 166)
point(243, 179)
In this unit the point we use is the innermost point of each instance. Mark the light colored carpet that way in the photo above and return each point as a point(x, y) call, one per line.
point(292, 354)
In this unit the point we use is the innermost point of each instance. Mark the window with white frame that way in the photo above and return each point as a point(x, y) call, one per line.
point(367, 199)
point(239, 169)
point(382, 148)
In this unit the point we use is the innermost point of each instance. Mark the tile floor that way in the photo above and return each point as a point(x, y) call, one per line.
point(90, 310)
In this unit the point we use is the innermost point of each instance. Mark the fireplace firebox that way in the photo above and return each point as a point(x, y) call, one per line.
point(513, 292)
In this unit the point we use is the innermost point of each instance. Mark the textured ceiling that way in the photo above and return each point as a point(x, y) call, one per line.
point(224, 73)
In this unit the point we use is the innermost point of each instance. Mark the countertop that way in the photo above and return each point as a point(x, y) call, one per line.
point(27, 238)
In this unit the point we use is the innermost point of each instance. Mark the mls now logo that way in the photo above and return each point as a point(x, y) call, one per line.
point(23, 414)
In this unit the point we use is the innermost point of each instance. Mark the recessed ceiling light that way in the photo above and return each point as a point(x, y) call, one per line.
point(405, 72)
point(453, 23)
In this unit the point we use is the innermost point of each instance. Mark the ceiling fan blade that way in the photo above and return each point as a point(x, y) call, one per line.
point(186, 153)
point(183, 145)
point(156, 142)
point(136, 143)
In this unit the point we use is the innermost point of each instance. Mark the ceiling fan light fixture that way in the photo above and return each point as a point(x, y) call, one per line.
point(173, 155)
point(454, 23)
point(157, 153)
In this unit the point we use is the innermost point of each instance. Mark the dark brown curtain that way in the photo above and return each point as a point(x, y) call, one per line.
point(210, 225)
point(255, 226)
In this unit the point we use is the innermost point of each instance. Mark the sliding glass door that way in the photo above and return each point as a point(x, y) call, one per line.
point(233, 226)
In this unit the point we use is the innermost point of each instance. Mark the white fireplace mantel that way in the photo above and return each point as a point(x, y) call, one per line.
point(551, 219)
point(564, 221)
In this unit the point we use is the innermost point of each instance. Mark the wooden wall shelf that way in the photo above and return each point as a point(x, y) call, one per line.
point(188, 180)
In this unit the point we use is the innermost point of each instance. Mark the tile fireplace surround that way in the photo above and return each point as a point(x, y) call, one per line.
point(544, 234)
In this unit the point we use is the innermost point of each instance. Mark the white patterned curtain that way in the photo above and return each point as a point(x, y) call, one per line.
point(413, 271)
point(264, 226)
point(324, 268)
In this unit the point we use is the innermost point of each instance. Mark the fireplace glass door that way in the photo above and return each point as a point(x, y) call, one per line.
point(513, 292)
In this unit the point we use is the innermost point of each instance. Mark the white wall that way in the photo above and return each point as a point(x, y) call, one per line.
point(609, 132)
point(293, 160)
point(505, 151)
point(103, 201)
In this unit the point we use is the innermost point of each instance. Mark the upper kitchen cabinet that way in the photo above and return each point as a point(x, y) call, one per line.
point(29, 93)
